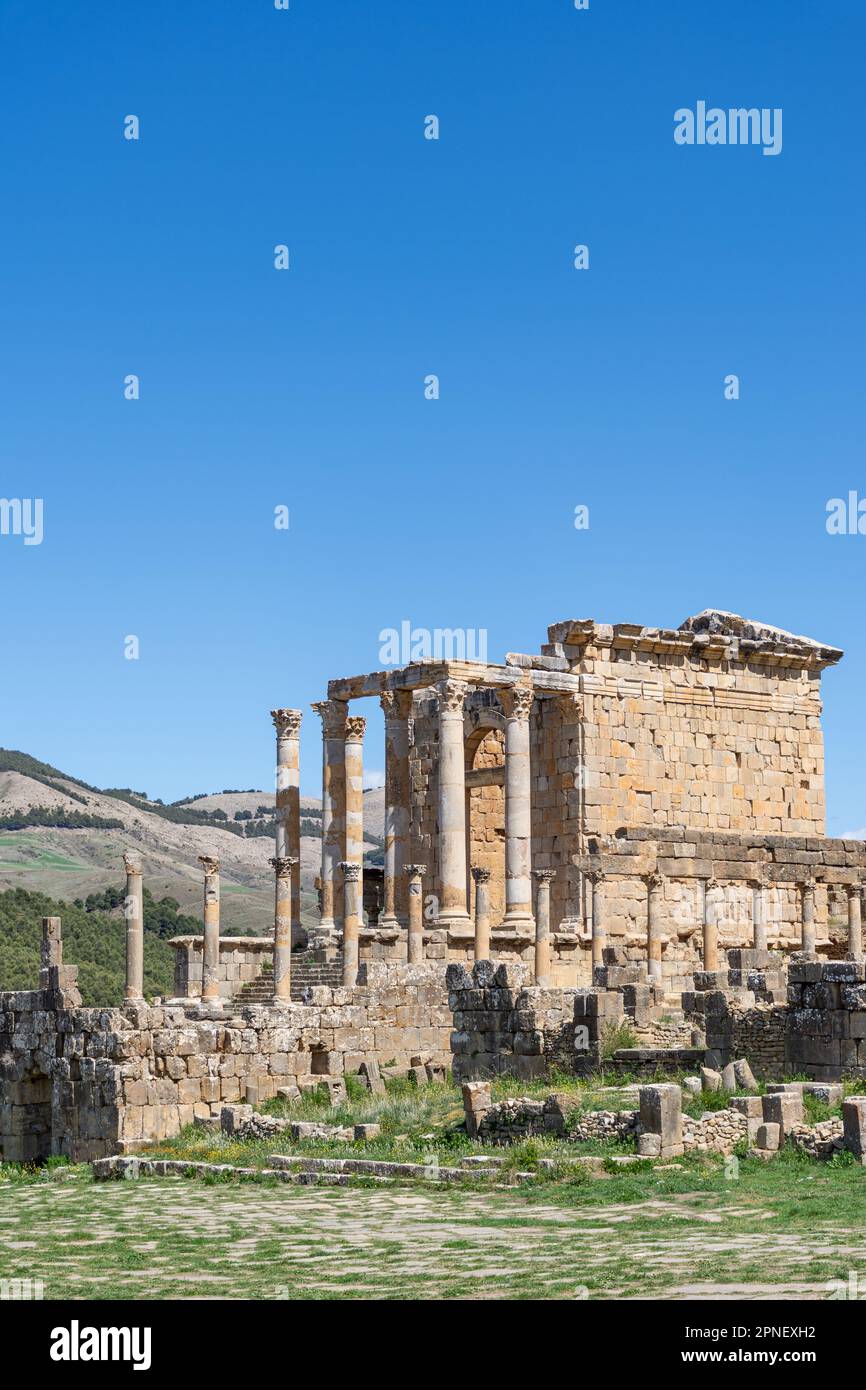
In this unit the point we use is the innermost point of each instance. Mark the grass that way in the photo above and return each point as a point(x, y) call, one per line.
point(786, 1227)
point(698, 1227)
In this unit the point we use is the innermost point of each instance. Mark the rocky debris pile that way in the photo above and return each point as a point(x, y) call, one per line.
point(717, 1131)
point(261, 1127)
point(818, 1141)
point(606, 1124)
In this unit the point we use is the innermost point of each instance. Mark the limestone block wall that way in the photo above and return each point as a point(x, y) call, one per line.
point(87, 1082)
point(826, 1024)
point(240, 959)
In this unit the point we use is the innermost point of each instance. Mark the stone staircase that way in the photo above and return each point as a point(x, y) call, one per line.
point(306, 973)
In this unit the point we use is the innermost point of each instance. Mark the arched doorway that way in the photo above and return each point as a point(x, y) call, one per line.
point(485, 812)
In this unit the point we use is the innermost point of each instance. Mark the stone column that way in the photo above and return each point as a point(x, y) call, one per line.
point(543, 878)
point(415, 938)
point(351, 920)
point(452, 805)
point(355, 726)
point(333, 716)
point(283, 867)
point(517, 704)
point(51, 953)
point(759, 912)
point(855, 921)
point(133, 911)
point(211, 952)
point(711, 926)
point(288, 818)
point(596, 878)
point(654, 882)
point(397, 707)
point(482, 913)
point(807, 889)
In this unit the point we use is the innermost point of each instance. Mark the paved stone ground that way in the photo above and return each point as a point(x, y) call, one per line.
point(180, 1239)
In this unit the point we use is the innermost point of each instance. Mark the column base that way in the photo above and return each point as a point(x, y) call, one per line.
point(451, 921)
point(514, 920)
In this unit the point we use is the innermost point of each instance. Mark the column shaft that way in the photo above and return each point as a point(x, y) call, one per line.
point(855, 924)
point(352, 921)
point(288, 797)
point(759, 914)
point(333, 716)
point(415, 936)
point(654, 939)
point(599, 935)
point(482, 913)
point(808, 908)
point(517, 704)
point(211, 951)
point(133, 909)
point(397, 706)
point(711, 926)
point(543, 879)
point(283, 866)
point(452, 805)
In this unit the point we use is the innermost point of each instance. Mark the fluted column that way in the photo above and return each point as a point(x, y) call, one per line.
point(599, 936)
point(855, 922)
point(211, 952)
point(482, 913)
point(415, 936)
point(807, 891)
point(397, 707)
point(517, 705)
point(758, 885)
point(654, 882)
point(283, 866)
point(352, 920)
point(452, 805)
point(133, 911)
point(543, 879)
point(333, 716)
point(287, 723)
point(711, 925)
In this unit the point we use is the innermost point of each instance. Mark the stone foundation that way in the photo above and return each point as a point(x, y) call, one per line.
point(92, 1082)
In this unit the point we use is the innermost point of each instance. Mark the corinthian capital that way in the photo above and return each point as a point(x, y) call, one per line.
point(396, 704)
point(132, 863)
point(351, 872)
point(516, 701)
point(355, 726)
point(283, 864)
point(333, 716)
point(451, 694)
point(653, 879)
point(209, 863)
point(287, 722)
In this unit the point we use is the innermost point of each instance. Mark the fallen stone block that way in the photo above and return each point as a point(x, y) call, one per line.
point(744, 1076)
point(768, 1136)
point(711, 1080)
point(367, 1131)
point(854, 1126)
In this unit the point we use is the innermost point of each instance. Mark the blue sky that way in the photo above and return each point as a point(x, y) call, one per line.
point(409, 257)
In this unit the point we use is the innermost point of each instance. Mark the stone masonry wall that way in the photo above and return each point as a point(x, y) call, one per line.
point(87, 1082)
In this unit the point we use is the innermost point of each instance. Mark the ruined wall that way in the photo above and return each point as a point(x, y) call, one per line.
point(241, 959)
point(826, 1024)
point(120, 1077)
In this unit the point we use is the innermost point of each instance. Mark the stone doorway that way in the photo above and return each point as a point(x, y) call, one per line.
point(485, 815)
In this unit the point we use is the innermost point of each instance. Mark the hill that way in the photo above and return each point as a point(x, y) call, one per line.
point(94, 941)
point(68, 859)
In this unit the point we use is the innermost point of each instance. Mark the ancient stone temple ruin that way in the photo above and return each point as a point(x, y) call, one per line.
point(625, 830)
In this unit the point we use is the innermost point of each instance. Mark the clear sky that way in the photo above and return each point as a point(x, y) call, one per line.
point(410, 257)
